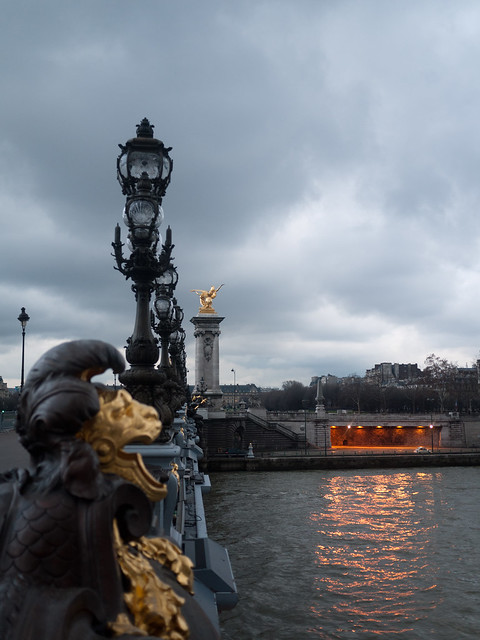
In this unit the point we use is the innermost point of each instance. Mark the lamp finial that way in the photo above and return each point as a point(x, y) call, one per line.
point(145, 129)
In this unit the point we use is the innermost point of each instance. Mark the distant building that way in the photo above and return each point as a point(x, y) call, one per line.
point(386, 373)
point(467, 378)
point(3, 389)
point(326, 379)
point(245, 395)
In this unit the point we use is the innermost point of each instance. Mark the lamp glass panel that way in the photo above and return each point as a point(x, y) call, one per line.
point(166, 166)
point(162, 306)
point(140, 162)
point(167, 277)
point(141, 213)
point(160, 217)
point(122, 165)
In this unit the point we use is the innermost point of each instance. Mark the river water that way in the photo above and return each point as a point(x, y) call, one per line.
point(351, 554)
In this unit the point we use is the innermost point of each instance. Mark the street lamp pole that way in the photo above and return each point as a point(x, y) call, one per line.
point(304, 402)
point(234, 387)
point(23, 319)
point(305, 426)
point(431, 431)
point(144, 168)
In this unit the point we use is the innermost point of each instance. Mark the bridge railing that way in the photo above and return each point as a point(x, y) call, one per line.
point(7, 420)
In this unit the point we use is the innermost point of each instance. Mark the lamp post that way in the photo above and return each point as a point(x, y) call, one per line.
point(431, 431)
point(169, 326)
point(305, 404)
point(23, 319)
point(164, 308)
point(176, 347)
point(144, 168)
point(234, 387)
point(345, 442)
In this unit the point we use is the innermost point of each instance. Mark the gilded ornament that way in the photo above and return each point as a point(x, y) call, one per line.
point(121, 421)
point(206, 298)
point(174, 470)
point(154, 606)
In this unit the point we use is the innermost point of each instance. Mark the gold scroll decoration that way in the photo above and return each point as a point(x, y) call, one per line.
point(121, 421)
point(154, 606)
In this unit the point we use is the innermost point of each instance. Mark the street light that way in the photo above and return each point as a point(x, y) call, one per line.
point(305, 404)
point(431, 431)
point(234, 387)
point(176, 347)
point(23, 319)
point(345, 442)
point(144, 169)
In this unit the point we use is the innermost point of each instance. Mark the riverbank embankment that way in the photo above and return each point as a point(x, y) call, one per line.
point(359, 461)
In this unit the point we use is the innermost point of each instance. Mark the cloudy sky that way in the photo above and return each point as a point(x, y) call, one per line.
point(326, 169)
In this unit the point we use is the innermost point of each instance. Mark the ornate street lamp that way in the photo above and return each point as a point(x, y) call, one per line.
point(305, 406)
point(23, 319)
point(177, 355)
point(164, 308)
point(176, 347)
point(234, 387)
point(144, 168)
point(144, 157)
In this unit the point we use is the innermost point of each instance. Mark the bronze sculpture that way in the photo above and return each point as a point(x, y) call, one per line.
point(206, 298)
point(76, 562)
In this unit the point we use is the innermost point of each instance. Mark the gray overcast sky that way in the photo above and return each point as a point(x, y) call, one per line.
point(326, 169)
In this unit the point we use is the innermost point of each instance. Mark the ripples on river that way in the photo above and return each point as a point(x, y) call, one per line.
point(353, 554)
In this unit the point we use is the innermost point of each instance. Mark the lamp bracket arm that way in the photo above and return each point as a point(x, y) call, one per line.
point(118, 255)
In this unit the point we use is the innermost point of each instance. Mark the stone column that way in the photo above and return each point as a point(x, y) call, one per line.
point(207, 333)
point(322, 437)
point(320, 400)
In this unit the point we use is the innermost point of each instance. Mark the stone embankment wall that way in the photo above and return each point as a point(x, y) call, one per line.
point(237, 431)
point(271, 432)
point(385, 429)
point(386, 461)
point(472, 431)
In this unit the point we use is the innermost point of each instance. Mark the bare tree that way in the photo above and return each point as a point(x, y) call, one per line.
point(355, 388)
point(439, 375)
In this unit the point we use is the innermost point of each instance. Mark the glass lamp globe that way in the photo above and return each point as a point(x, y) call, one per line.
point(176, 338)
point(141, 213)
point(144, 158)
point(179, 315)
point(162, 308)
point(168, 278)
point(140, 162)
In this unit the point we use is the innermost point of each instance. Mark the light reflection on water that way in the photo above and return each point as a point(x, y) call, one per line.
point(376, 532)
point(350, 554)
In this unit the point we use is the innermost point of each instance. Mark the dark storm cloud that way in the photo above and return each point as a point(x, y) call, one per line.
point(325, 168)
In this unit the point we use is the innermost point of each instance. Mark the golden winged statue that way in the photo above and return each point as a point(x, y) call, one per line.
point(206, 298)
